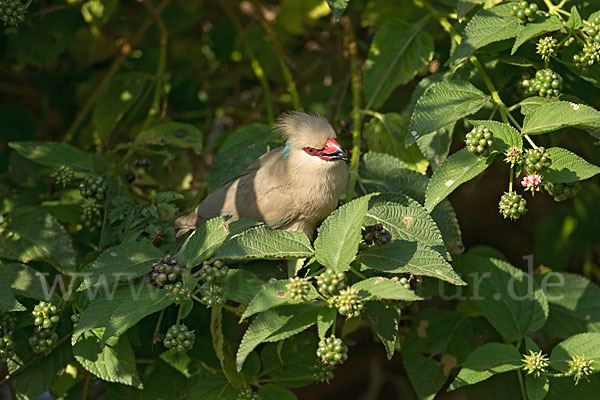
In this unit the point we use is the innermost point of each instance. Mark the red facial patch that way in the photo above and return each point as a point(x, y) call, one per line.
point(331, 151)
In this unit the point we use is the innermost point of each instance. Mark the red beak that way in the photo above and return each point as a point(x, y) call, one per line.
point(333, 151)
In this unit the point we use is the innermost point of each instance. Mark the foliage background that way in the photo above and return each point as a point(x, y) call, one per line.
point(97, 73)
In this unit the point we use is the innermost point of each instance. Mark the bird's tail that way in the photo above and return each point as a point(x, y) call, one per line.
point(186, 223)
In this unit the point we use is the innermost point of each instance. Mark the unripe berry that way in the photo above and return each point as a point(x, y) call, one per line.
point(512, 205)
point(179, 339)
point(330, 282)
point(480, 141)
point(537, 160)
point(332, 351)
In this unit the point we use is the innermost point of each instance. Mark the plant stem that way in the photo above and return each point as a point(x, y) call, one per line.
point(350, 44)
point(521, 385)
point(511, 179)
point(530, 141)
point(357, 273)
point(486, 80)
point(179, 312)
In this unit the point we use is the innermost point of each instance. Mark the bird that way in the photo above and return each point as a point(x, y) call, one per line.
point(293, 187)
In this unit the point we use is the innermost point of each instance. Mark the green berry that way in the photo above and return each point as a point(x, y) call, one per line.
point(322, 372)
point(562, 191)
point(480, 141)
point(213, 295)
point(332, 351)
point(298, 288)
point(45, 315)
point(179, 339)
point(247, 394)
point(512, 205)
point(537, 160)
point(64, 175)
point(330, 282)
point(214, 273)
point(12, 12)
point(546, 47)
point(348, 302)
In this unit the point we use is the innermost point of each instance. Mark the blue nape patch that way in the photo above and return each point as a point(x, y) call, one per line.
point(286, 150)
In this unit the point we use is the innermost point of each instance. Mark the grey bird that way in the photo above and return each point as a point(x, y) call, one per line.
point(293, 187)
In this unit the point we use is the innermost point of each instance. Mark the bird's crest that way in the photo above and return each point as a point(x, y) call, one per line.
point(304, 129)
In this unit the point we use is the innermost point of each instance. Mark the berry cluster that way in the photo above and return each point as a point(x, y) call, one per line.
point(165, 271)
point(213, 274)
point(579, 367)
point(524, 11)
point(179, 339)
point(332, 351)
point(480, 141)
point(178, 292)
point(45, 315)
point(12, 12)
point(589, 54)
point(546, 83)
point(562, 191)
point(43, 341)
point(7, 344)
point(330, 282)
point(537, 160)
point(63, 175)
point(348, 302)
point(298, 288)
point(247, 394)
point(92, 190)
point(546, 47)
point(512, 205)
point(322, 372)
point(376, 234)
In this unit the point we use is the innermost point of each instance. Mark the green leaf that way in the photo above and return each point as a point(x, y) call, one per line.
point(386, 133)
point(568, 167)
point(272, 391)
point(264, 243)
point(121, 93)
point(240, 150)
point(445, 218)
point(465, 6)
point(337, 8)
point(119, 310)
point(339, 234)
point(383, 288)
point(272, 295)
point(535, 29)
point(505, 136)
point(384, 319)
point(325, 320)
point(185, 136)
point(213, 387)
point(114, 362)
point(574, 304)
point(509, 298)
point(584, 344)
point(31, 234)
point(401, 256)
point(487, 26)
point(223, 349)
point(241, 286)
point(435, 145)
point(406, 219)
point(289, 361)
point(486, 361)
point(7, 299)
point(25, 281)
point(536, 387)
point(392, 62)
point(276, 324)
point(54, 154)
point(459, 168)
point(122, 262)
point(574, 21)
point(530, 104)
point(559, 114)
point(443, 104)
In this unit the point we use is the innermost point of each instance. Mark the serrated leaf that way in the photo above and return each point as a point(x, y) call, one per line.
point(264, 243)
point(584, 344)
point(486, 361)
point(272, 391)
point(459, 168)
point(383, 288)
point(568, 167)
point(435, 146)
point(339, 234)
point(114, 362)
point(7, 299)
point(443, 104)
point(505, 136)
point(120, 309)
point(574, 21)
point(337, 8)
point(276, 324)
point(272, 295)
point(176, 134)
point(530, 104)
point(400, 256)
point(559, 114)
point(384, 319)
point(536, 386)
point(406, 219)
point(54, 154)
point(392, 62)
point(535, 29)
point(118, 96)
point(120, 263)
point(487, 26)
point(509, 298)
point(574, 304)
point(240, 150)
point(32, 234)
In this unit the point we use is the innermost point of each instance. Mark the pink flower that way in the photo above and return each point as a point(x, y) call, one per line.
point(536, 180)
point(532, 182)
point(527, 181)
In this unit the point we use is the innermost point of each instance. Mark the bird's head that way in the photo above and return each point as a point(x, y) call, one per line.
point(310, 134)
